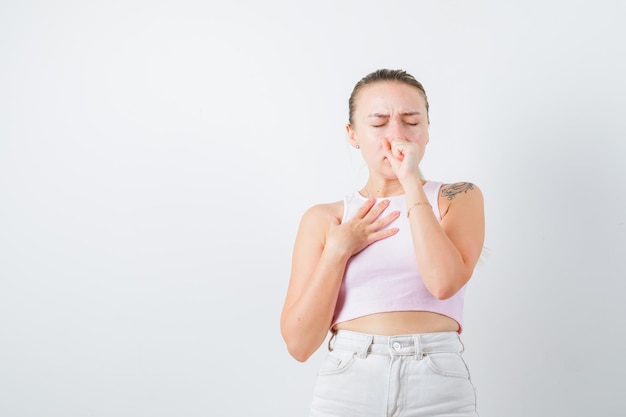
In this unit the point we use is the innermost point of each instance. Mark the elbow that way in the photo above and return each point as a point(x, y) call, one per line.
point(297, 349)
point(296, 345)
point(444, 293)
point(299, 354)
point(447, 288)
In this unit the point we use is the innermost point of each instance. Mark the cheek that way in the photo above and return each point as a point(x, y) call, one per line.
point(422, 141)
point(423, 145)
point(376, 144)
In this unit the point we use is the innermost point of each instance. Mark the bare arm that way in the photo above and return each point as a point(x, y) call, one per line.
point(447, 252)
point(321, 252)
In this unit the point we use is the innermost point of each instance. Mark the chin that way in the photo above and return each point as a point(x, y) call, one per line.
point(389, 174)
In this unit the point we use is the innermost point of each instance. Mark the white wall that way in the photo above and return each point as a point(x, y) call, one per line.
point(156, 156)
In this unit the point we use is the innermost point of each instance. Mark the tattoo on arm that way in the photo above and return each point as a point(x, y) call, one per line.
point(452, 190)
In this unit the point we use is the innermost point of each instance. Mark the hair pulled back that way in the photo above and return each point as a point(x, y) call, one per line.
point(381, 75)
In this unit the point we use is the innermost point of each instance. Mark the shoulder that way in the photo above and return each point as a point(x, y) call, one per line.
point(454, 190)
point(320, 213)
point(459, 194)
point(315, 222)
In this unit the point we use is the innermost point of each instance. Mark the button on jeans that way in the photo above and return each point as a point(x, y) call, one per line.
point(419, 375)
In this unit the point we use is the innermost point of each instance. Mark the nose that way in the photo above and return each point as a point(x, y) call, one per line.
point(396, 130)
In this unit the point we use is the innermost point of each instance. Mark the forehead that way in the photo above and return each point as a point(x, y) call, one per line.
point(390, 95)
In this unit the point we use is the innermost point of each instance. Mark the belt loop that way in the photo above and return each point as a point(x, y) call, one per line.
point(461, 342)
point(418, 348)
point(366, 346)
point(330, 340)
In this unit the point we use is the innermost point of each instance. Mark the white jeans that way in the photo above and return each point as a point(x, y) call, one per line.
point(419, 375)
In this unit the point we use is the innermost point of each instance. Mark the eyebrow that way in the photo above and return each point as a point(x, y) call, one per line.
point(407, 113)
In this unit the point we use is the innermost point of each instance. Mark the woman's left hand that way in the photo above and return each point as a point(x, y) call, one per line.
point(404, 158)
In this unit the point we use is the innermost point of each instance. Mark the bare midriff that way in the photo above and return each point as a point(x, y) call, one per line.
point(400, 322)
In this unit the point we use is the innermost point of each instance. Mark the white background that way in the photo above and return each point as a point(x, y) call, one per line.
point(156, 157)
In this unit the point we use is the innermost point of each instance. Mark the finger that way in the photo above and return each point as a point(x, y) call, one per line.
point(405, 147)
point(385, 221)
point(365, 208)
point(382, 234)
point(369, 211)
point(376, 210)
point(393, 161)
point(399, 148)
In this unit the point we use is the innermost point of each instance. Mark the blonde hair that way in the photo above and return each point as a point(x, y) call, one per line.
point(381, 75)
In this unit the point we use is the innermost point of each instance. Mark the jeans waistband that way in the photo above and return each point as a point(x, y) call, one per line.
point(402, 345)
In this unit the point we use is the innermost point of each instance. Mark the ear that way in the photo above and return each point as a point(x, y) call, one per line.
point(354, 141)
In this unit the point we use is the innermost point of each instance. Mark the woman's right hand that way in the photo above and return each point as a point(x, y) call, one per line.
point(322, 249)
point(363, 229)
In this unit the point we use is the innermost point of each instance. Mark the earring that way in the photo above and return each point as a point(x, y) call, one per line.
point(357, 146)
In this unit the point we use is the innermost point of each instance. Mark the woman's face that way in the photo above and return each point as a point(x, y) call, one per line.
point(384, 111)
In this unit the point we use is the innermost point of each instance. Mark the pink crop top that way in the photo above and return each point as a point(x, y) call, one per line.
point(385, 276)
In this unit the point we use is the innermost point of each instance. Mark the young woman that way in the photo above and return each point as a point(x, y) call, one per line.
point(385, 269)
